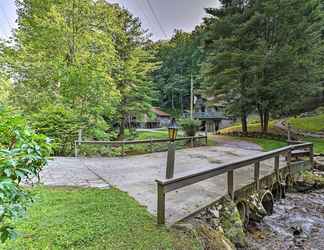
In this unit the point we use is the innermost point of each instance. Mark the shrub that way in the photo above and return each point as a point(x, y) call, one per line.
point(59, 123)
point(190, 126)
point(22, 155)
point(62, 124)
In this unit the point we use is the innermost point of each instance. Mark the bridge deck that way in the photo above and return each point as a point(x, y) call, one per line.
point(136, 175)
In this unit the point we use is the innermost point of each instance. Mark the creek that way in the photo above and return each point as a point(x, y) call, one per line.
point(297, 223)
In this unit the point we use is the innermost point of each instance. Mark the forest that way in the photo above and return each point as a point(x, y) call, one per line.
point(90, 64)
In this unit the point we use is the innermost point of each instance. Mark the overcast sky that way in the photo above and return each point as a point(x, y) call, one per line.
point(170, 15)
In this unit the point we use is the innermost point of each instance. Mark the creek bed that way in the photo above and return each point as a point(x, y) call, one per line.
point(297, 223)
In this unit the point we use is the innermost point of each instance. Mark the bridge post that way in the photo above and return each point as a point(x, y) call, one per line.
point(289, 160)
point(257, 175)
point(160, 205)
point(230, 184)
point(311, 155)
point(276, 163)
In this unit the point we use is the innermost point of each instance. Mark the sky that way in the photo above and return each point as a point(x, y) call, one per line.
point(160, 17)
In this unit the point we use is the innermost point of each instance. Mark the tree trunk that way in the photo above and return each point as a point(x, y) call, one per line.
point(261, 115)
point(266, 122)
point(244, 123)
point(121, 133)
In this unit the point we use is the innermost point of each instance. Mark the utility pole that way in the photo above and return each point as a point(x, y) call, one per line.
point(191, 97)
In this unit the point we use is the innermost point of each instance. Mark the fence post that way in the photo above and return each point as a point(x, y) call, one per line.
point(160, 205)
point(75, 149)
point(151, 145)
point(277, 161)
point(311, 155)
point(123, 150)
point(192, 142)
point(230, 184)
point(257, 175)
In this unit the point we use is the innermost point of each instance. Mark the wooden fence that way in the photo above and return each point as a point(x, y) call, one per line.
point(165, 186)
point(150, 142)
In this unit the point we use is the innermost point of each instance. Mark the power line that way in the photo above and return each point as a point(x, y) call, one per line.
point(142, 10)
point(156, 18)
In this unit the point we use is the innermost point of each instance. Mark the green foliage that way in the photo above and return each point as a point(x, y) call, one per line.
point(180, 58)
point(190, 126)
point(59, 123)
point(263, 55)
point(89, 57)
point(308, 124)
point(74, 218)
point(22, 155)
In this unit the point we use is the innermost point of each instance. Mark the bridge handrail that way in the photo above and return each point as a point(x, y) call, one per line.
point(165, 186)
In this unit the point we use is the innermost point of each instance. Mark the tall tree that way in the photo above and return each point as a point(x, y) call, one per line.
point(227, 68)
point(263, 55)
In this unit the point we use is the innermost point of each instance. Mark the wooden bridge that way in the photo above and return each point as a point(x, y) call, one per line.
point(284, 174)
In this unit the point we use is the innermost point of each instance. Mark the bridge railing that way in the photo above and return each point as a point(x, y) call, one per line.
point(165, 186)
point(122, 144)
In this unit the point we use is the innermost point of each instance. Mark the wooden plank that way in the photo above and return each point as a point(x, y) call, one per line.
point(311, 155)
point(289, 161)
point(276, 166)
point(257, 175)
point(160, 205)
point(230, 184)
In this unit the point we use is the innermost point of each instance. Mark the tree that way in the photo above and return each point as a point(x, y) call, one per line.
point(132, 74)
point(88, 56)
point(228, 67)
point(179, 62)
point(263, 55)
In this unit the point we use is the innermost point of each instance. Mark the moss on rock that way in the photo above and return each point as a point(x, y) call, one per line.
point(232, 224)
point(214, 239)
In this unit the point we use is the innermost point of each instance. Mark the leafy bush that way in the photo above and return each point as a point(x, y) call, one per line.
point(22, 155)
point(62, 124)
point(59, 123)
point(190, 126)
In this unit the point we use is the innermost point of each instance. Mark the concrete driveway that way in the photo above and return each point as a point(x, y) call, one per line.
point(137, 174)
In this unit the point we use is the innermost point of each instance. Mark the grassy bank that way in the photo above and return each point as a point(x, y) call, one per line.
point(73, 218)
point(308, 124)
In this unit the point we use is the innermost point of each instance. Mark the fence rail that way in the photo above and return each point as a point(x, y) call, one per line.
point(165, 186)
point(78, 143)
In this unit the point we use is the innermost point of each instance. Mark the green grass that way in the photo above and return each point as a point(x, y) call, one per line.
point(74, 218)
point(252, 127)
point(318, 144)
point(310, 124)
point(266, 144)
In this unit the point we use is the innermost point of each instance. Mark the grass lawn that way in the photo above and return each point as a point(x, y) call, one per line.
point(266, 144)
point(310, 124)
point(318, 144)
point(253, 127)
point(75, 218)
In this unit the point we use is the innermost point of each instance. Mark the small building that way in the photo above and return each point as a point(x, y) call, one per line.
point(156, 118)
point(212, 116)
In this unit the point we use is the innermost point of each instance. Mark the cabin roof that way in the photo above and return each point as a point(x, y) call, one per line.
point(159, 112)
